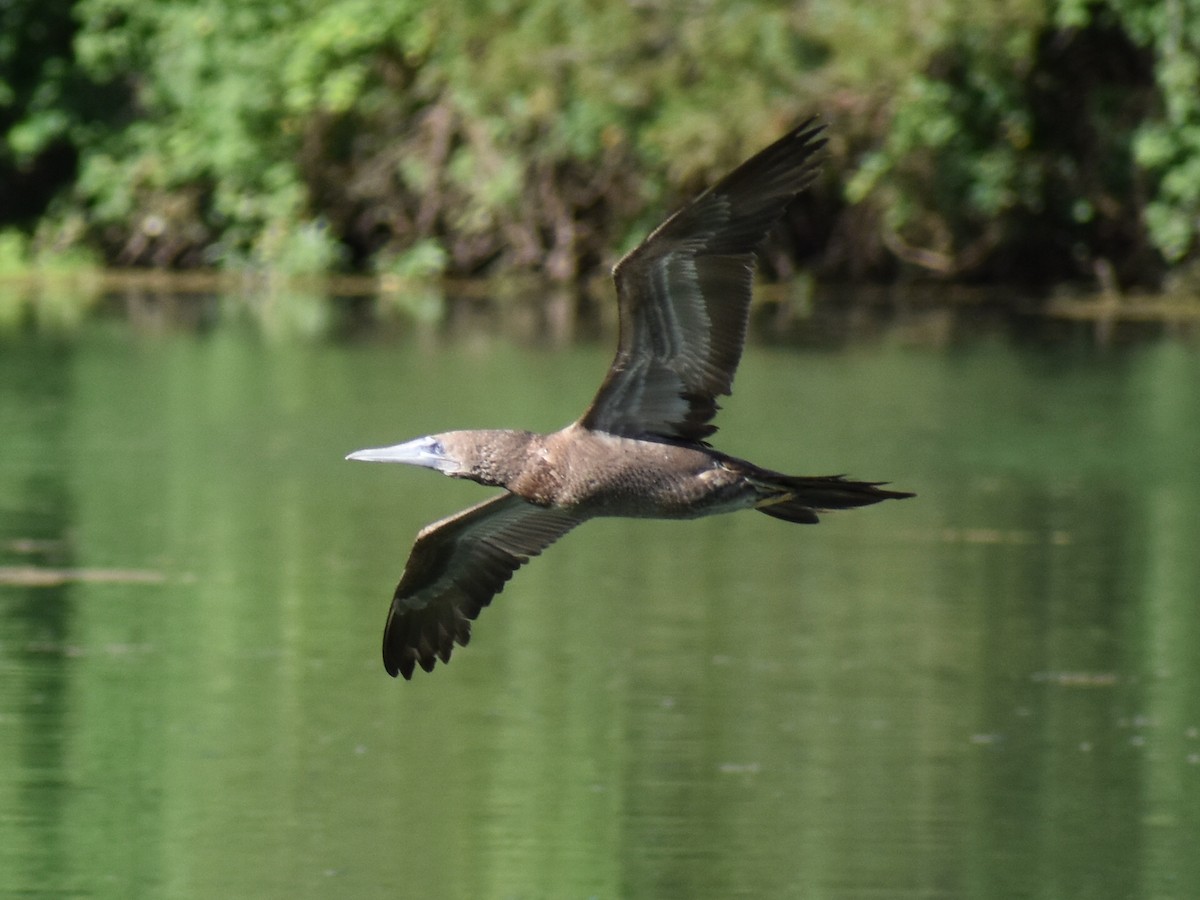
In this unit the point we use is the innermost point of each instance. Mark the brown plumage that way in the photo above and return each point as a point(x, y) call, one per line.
point(639, 450)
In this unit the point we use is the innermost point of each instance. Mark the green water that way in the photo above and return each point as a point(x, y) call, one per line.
point(990, 691)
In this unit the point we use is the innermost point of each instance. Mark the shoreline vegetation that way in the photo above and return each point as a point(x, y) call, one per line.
point(524, 307)
point(1049, 145)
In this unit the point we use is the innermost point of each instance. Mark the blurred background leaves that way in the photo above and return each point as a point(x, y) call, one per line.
point(1023, 141)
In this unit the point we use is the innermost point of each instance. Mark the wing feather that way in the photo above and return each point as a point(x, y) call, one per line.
point(456, 567)
point(684, 297)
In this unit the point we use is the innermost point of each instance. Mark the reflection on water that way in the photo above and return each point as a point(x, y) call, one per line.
point(990, 691)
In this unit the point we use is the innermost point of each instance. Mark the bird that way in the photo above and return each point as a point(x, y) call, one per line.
point(640, 450)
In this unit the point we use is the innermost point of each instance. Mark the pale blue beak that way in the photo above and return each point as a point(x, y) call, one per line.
point(425, 451)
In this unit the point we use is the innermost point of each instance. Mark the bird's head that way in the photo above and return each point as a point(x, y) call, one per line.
point(489, 457)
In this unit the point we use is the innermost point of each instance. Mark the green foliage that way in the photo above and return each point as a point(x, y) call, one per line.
point(21, 256)
point(14, 253)
point(473, 135)
point(1168, 146)
point(951, 167)
point(1059, 118)
point(294, 249)
point(423, 260)
point(493, 129)
point(209, 155)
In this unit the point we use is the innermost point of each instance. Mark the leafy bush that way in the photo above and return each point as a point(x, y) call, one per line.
point(1036, 146)
point(1023, 138)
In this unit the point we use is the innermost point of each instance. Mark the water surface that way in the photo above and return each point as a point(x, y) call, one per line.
point(990, 691)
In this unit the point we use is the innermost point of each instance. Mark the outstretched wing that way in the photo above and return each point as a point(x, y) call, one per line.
point(456, 566)
point(684, 297)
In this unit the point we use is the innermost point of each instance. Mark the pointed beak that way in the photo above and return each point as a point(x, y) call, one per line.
point(426, 451)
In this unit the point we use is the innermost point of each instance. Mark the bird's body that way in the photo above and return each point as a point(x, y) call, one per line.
point(593, 473)
point(639, 451)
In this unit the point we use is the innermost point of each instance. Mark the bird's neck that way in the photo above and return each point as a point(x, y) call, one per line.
point(499, 457)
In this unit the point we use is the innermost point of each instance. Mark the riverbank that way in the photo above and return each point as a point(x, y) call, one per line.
point(798, 312)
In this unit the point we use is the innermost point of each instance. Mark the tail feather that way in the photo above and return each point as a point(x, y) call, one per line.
point(799, 498)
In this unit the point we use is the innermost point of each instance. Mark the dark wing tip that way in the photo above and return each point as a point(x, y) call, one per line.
point(402, 649)
point(422, 637)
point(403, 666)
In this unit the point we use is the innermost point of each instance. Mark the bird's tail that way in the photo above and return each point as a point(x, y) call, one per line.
point(800, 498)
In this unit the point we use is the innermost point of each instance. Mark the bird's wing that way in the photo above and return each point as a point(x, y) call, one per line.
point(684, 297)
point(456, 566)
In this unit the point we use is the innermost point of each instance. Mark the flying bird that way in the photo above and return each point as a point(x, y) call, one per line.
point(640, 449)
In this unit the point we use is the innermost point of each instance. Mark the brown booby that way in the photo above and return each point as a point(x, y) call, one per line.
point(639, 450)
